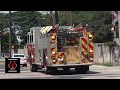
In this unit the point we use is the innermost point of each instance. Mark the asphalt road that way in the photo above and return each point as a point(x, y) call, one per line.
point(96, 72)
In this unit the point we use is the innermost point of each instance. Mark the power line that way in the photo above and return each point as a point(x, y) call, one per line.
point(20, 17)
point(26, 20)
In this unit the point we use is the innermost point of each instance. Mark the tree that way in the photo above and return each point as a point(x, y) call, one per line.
point(99, 21)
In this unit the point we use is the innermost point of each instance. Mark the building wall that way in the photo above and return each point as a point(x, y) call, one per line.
point(101, 53)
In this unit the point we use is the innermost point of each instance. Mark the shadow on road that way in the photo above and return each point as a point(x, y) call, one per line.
point(70, 72)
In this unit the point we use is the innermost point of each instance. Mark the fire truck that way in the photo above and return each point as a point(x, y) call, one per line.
point(61, 48)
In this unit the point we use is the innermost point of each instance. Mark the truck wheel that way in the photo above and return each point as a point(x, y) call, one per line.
point(82, 69)
point(33, 68)
point(78, 69)
point(25, 65)
point(50, 70)
point(53, 70)
point(46, 70)
point(85, 69)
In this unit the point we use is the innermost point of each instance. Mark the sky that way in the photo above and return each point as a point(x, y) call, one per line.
point(5, 11)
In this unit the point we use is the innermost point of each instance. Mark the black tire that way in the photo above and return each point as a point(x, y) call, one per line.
point(50, 70)
point(53, 70)
point(78, 70)
point(25, 65)
point(47, 70)
point(82, 69)
point(33, 68)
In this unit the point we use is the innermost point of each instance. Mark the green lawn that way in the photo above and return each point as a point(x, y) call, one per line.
point(108, 64)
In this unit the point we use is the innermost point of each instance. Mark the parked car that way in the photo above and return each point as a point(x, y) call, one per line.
point(23, 59)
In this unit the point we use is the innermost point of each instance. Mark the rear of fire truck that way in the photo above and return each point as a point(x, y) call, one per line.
point(74, 49)
point(64, 49)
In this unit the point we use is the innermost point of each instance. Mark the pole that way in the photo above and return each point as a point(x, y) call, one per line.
point(52, 18)
point(119, 23)
point(114, 25)
point(56, 17)
point(69, 16)
point(0, 44)
point(10, 38)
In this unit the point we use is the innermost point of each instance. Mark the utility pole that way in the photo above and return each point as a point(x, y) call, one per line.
point(10, 38)
point(114, 20)
point(0, 44)
point(119, 23)
point(52, 18)
point(69, 15)
point(56, 17)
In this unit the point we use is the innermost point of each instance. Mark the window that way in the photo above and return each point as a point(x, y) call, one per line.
point(31, 38)
point(27, 38)
point(32, 32)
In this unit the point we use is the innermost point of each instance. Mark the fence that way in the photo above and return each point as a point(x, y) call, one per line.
point(104, 54)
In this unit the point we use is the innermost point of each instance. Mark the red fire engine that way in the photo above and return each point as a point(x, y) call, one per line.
point(61, 48)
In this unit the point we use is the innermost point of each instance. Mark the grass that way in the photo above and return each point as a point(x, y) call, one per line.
point(108, 64)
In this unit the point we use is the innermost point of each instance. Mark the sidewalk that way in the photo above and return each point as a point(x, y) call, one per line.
point(105, 67)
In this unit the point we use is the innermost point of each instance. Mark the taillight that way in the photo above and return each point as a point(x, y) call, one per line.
point(53, 37)
point(53, 59)
point(90, 37)
point(53, 52)
point(32, 56)
point(91, 55)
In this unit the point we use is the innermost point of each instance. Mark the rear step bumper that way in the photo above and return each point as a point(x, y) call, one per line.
point(70, 65)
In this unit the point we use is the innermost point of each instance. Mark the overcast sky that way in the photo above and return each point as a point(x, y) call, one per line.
point(5, 11)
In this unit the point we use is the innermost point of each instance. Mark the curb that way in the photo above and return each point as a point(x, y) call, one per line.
point(113, 67)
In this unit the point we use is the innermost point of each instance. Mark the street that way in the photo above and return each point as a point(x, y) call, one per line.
point(95, 72)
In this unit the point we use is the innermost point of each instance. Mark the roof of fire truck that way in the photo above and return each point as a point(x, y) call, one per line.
point(46, 29)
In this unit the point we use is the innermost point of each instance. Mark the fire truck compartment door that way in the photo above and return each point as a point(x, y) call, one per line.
point(71, 55)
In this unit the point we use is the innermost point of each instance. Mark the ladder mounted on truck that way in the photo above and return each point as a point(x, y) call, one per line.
point(67, 33)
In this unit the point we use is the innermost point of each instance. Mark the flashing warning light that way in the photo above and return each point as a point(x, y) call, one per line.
point(53, 52)
point(53, 37)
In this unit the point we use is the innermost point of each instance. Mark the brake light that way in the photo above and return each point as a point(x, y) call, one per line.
point(90, 37)
point(91, 53)
point(53, 59)
point(53, 37)
point(53, 52)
